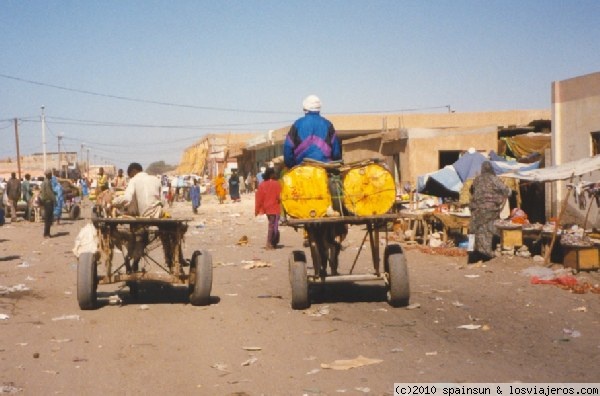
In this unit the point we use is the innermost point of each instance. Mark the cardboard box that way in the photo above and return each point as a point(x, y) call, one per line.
point(512, 238)
point(581, 258)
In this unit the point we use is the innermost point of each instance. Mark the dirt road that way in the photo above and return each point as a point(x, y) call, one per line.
point(249, 340)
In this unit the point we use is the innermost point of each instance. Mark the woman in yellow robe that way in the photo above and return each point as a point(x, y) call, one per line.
point(220, 188)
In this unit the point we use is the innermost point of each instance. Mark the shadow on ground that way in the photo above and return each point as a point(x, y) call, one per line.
point(150, 293)
point(347, 292)
point(59, 234)
point(10, 258)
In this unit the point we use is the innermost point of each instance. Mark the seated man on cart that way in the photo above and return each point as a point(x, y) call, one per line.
point(141, 199)
point(142, 195)
point(314, 137)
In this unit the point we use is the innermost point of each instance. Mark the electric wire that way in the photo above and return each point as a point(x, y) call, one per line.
point(147, 101)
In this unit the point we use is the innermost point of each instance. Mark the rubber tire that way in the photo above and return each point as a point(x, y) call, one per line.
point(399, 286)
point(298, 280)
point(87, 281)
point(75, 212)
point(201, 264)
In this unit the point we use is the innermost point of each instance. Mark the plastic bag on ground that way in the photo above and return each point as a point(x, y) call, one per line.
point(86, 241)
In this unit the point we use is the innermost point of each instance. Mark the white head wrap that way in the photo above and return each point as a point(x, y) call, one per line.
point(311, 103)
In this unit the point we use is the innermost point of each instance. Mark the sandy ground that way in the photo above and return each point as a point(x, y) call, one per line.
point(249, 340)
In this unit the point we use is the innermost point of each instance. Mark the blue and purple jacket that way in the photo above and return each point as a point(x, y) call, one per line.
point(311, 136)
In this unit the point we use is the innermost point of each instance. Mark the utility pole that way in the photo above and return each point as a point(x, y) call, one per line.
point(88, 162)
point(80, 159)
point(44, 138)
point(18, 152)
point(59, 167)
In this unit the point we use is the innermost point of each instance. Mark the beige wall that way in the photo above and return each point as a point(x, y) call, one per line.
point(362, 148)
point(418, 148)
point(424, 145)
point(34, 164)
point(349, 125)
point(437, 120)
point(575, 114)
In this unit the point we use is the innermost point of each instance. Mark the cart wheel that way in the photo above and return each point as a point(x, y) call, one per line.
point(399, 290)
point(201, 274)
point(75, 212)
point(87, 281)
point(298, 280)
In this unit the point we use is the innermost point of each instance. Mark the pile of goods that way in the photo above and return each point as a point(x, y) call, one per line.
point(575, 237)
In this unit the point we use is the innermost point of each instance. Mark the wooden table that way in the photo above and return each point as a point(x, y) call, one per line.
point(452, 221)
point(418, 222)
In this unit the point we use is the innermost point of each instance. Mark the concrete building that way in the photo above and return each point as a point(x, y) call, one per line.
point(34, 164)
point(210, 155)
point(411, 144)
point(575, 135)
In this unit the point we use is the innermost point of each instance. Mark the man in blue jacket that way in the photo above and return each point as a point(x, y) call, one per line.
point(314, 137)
point(311, 136)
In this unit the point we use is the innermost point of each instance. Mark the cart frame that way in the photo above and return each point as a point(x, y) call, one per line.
point(325, 249)
point(133, 237)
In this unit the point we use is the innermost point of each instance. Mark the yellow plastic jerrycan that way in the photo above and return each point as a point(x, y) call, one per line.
point(369, 190)
point(305, 192)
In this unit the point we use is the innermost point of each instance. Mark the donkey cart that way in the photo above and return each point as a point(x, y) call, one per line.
point(125, 247)
point(325, 244)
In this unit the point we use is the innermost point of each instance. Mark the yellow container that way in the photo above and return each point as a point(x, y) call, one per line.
point(369, 190)
point(305, 192)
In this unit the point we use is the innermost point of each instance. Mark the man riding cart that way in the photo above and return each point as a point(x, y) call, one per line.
point(323, 196)
point(135, 233)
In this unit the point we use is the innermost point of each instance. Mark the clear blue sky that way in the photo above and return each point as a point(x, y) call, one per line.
point(220, 66)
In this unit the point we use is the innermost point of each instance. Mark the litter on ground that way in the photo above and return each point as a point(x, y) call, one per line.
point(351, 363)
point(251, 264)
point(469, 327)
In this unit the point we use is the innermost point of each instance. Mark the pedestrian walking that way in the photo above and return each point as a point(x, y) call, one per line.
point(195, 196)
point(259, 177)
point(268, 201)
point(242, 185)
point(27, 191)
point(234, 186)
point(170, 194)
point(48, 200)
point(119, 182)
point(488, 195)
point(220, 188)
point(13, 192)
point(84, 187)
point(250, 182)
point(60, 199)
point(102, 182)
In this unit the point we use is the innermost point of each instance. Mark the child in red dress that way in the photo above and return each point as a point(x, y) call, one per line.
point(267, 201)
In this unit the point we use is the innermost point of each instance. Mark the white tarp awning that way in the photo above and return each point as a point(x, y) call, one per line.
point(559, 172)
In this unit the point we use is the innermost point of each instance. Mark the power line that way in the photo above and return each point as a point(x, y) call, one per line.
point(138, 144)
point(130, 99)
point(395, 111)
point(223, 109)
point(213, 127)
point(73, 121)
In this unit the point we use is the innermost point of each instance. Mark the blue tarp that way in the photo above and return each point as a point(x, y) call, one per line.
point(442, 183)
point(448, 182)
point(501, 167)
point(469, 165)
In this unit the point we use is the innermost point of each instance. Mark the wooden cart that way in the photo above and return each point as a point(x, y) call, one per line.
point(135, 239)
point(324, 249)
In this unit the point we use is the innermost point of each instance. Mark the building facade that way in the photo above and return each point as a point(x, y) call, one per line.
point(575, 135)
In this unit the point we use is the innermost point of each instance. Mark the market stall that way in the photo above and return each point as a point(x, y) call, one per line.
point(581, 249)
point(453, 182)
